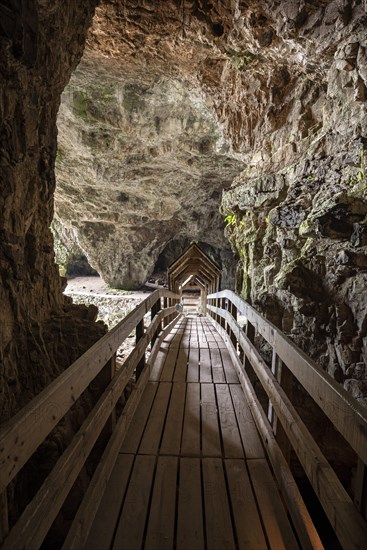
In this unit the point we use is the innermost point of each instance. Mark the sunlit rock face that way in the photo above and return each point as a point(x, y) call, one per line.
point(141, 161)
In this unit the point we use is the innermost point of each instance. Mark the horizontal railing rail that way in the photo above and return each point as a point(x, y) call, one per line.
point(347, 415)
point(24, 433)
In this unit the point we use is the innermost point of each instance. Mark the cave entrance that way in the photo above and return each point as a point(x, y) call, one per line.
point(194, 275)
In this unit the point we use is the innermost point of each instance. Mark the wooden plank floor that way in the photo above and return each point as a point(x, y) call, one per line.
point(192, 473)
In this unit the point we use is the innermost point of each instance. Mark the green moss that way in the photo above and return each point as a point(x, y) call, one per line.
point(80, 105)
point(241, 59)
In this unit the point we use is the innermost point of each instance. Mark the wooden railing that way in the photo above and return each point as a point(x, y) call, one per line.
point(346, 414)
point(24, 433)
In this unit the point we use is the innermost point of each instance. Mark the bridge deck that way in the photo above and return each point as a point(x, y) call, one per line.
point(192, 472)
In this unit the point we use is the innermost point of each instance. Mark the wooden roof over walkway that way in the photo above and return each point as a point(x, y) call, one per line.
point(194, 263)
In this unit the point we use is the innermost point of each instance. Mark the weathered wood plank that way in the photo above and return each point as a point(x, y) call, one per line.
point(152, 434)
point(232, 445)
point(171, 441)
point(101, 534)
point(133, 437)
point(193, 366)
point(218, 523)
point(161, 522)
point(190, 523)
point(169, 365)
point(210, 434)
point(129, 532)
point(229, 370)
point(274, 516)
point(190, 445)
point(217, 366)
point(249, 434)
point(181, 366)
point(205, 366)
point(248, 526)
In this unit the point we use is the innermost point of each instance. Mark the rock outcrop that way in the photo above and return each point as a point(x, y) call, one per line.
point(41, 333)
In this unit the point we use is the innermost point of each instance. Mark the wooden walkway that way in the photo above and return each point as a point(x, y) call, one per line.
point(192, 472)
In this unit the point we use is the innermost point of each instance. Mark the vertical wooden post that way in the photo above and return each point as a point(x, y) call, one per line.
point(4, 516)
point(250, 333)
point(154, 311)
point(223, 306)
point(165, 320)
point(139, 333)
point(234, 315)
point(102, 380)
point(360, 495)
point(284, 378)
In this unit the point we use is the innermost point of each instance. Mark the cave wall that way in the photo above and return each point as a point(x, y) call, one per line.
point(298, 214)
point(40, 332)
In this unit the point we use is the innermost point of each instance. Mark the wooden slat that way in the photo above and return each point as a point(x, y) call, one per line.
point(193, 366)
point(169, 365)
point(210, 443)
point(217, 365)
point(249, 434)
point(219, 533)
point(232, 445)
point(248, 526)
point(190, 524)
point(347, 415)
point(129, 532)
point(153, 430)
point(159, 362)
point(190, 445)
point(161, 522)
point(205, 366)
point(181, 366)
point(171, 441)
point(102, 531)
point(133, 437)
point(231, 375)
point(274, 516)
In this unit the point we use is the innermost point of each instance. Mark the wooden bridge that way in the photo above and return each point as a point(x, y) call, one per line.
point(199, 456)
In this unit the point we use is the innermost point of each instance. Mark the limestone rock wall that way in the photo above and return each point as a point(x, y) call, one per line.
point(297, 216)
point(40, 333)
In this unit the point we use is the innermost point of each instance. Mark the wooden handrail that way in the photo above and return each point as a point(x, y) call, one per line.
point(349, 525)
point(347, 415)
point(22, 435)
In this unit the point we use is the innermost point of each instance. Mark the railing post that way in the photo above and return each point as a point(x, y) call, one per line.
point(250, 333)
point(139, 333)
point(233, 310)
point(360, 494)
point(154, 311)
point(222, 320)
point(284, 378)
point(4, 516)
point(165, 320)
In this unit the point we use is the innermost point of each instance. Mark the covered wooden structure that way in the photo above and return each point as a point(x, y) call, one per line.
point(194, 270)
